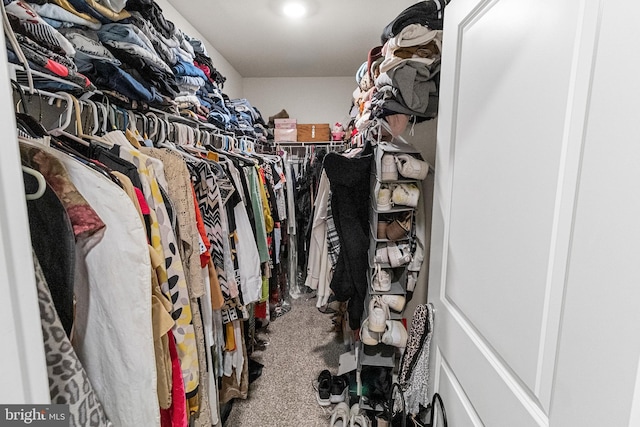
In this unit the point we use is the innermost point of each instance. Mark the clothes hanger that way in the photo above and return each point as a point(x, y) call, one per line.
point(96, 120)
point(80, 131)
point(68, 111)
point(42, 183)
point(153, 131)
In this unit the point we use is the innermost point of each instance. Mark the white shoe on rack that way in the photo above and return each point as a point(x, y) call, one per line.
point(378, 314)
point(382, 255)
point(395, 334)
point(410, 167)
point(412, 279)
point(389, 168)
point(383, 198)
point(394, 302)
point(406, 195)
point(366, 336)
point(381, 280)
point(398, 254)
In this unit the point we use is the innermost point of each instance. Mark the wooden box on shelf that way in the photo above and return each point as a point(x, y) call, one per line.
point(314, 132)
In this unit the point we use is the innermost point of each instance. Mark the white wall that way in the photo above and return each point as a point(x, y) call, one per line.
point(307, 99)
point(233, 85)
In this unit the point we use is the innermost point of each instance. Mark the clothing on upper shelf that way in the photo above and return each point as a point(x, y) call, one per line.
point(131, 53)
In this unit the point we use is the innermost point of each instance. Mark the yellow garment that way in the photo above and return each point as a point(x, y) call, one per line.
point(230, 339)
point(106, 12)
point(162, 324)
point(266, 212)
point(69, 8)
point(217, 299)
point(265, 289)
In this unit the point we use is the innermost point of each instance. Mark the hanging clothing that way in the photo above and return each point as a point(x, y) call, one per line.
point(349, 180)
point(318, 266)
point(174, 286)
point(120, 298)
point(63, 367)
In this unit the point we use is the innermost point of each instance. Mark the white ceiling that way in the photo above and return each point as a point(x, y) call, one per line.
point(259, 42)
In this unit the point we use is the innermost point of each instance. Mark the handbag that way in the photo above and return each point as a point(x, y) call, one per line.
point(401, 419)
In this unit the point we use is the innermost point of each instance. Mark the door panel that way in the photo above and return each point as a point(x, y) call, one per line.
point(506, 157)
point(460, 411)
point(486, 380)
point(517, 78)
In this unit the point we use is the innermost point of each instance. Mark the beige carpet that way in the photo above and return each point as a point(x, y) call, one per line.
point(301, 344)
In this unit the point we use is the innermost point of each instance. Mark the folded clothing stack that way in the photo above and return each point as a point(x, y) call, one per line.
point(402, 77)
point(128, 50)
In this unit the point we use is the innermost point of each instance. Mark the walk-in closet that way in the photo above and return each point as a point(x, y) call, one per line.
point(295, 213)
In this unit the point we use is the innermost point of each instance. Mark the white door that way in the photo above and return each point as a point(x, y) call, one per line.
point(535, 257)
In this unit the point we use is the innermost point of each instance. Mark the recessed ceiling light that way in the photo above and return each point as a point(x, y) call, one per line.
point(294, 10)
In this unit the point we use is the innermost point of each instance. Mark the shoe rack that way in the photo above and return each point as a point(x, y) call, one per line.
point(383, 355)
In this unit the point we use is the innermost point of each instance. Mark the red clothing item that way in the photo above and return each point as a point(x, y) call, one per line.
point(176, 415)
point(205, 256)
point(144, 207)
point(204, 68)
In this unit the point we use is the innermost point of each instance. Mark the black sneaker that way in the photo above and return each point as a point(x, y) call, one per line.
point(323, 394)
point(339, 389)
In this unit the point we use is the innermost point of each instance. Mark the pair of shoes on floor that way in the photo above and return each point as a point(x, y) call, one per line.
point(331, 388)
point(343, 416)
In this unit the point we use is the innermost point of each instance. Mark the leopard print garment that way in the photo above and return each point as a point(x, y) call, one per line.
point(414, 366)
point(68, 381)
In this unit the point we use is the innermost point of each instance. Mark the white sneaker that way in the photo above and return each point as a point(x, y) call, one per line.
point(412, 279)
point(381, 280)
point(394, 302)
point(382, 255)
point(395, 334)
point(383, 198)
point(399, 255)
point(353, 413)
point(389, 169)
point(366, 336)
point(357, 419)
point(361, 420)
point(340, 416)
point(378, 315)
point(410, 167)
point(406, 195)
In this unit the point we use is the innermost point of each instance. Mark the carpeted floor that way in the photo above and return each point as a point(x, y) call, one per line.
point(301, 343)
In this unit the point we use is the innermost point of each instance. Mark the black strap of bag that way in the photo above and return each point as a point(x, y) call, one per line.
point(436, 396)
